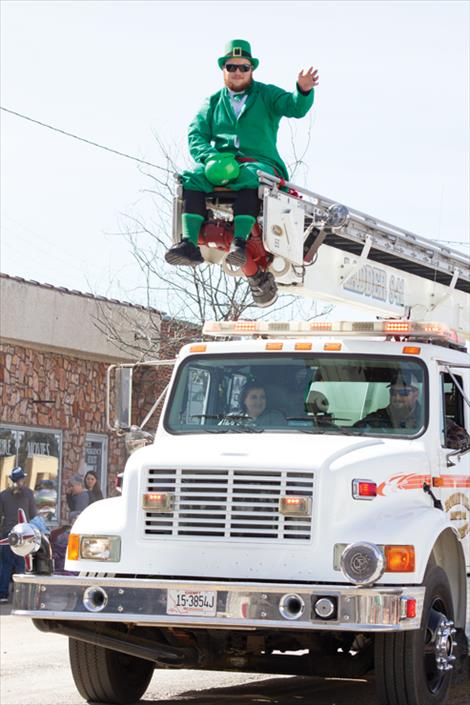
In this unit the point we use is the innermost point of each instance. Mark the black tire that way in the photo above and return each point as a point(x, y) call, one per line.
point(106, 676)
point(405, 662)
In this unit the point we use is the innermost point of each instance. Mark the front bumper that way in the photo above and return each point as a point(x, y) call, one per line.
point(237, 605)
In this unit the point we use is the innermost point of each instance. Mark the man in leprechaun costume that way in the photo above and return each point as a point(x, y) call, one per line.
point(231, 138)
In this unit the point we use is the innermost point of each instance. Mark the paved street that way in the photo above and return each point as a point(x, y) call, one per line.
point(34, 671)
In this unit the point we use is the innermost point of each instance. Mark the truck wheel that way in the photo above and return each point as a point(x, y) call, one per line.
point(108, 676)
point(415, 667)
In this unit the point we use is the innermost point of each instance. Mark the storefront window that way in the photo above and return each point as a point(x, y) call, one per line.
point(96, 458)
point(39, 453)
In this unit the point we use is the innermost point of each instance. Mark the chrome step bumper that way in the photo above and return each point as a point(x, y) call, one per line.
point(234, 605)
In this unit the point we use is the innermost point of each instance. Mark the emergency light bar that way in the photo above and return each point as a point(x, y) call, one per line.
point(289, 329)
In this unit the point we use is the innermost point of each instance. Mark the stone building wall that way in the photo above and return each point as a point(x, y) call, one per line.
point(149, 382)
point(44, 390)
point(56, 348)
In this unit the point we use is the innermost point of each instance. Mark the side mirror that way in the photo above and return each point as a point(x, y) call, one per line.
point(123, 397)
point(456, 454)
point(119, 381)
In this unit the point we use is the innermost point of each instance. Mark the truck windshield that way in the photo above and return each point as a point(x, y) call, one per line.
point(347, 394)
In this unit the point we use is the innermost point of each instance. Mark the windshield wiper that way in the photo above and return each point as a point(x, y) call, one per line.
point(316, 420)
point(319, 431)
point(230, 428)
point(206, 416)
point(245, 429)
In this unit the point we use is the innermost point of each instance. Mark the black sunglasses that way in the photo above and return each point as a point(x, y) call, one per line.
point(244, 68)
point(401, 392)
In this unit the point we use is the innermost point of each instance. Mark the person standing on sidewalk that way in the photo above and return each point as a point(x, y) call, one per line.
point(77, 496)
point(16, 497)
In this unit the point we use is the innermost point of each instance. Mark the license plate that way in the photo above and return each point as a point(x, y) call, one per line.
point(193, 602)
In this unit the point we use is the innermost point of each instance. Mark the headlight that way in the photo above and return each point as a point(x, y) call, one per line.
point(100, 548)
point(362, 563)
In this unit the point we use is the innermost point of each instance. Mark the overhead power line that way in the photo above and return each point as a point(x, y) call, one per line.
point(136, 159)
point(83, 139)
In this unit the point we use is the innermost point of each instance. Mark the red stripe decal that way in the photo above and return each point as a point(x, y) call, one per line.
point(410, 481)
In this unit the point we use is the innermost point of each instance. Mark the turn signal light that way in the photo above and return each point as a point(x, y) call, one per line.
point(73, 547)
point(161, 502)
point(364, 489)
point(399, 559)
point(295, 506)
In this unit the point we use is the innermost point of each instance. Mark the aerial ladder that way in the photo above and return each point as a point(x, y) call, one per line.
point(308, 245)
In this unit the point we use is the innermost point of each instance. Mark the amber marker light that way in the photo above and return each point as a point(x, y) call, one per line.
point(245, 326)
point(397, 327)
point(274, 346)
point(73, 547)
point(198, 348)
point(412, 350)
point(317, 325)
point(435, 328)
point(399, 559)
point(295, 506)
point(331, 347)
point(303, 346)
point(161, 502)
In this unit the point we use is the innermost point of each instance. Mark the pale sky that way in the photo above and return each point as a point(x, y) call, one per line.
point(389, 129)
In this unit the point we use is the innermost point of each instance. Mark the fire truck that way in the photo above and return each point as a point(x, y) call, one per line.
point(303, 506)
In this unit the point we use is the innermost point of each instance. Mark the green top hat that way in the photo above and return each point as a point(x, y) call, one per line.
point(237, 48)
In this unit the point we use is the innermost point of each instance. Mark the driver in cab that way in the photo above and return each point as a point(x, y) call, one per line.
point(403, 410)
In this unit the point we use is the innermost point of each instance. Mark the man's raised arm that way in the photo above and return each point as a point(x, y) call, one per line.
point(298, 103)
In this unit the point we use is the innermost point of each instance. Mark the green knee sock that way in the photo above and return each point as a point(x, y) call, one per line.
point(243, 225)
point(191, 226)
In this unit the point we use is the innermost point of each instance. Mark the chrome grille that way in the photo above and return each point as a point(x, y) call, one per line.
point(228, 504)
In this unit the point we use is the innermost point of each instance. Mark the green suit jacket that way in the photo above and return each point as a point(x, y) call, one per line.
point(254, 134)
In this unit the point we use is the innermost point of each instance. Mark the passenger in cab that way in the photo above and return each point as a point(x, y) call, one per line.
point(254, 409)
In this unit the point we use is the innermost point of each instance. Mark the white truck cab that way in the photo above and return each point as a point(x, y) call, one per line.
point(304, 508)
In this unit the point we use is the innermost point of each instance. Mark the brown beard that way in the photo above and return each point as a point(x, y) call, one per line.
point(241, 88)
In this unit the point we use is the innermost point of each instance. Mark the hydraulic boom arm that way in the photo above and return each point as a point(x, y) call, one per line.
point(322, 250)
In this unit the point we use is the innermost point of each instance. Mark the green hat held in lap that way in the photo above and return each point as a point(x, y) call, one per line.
point(221, 168)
